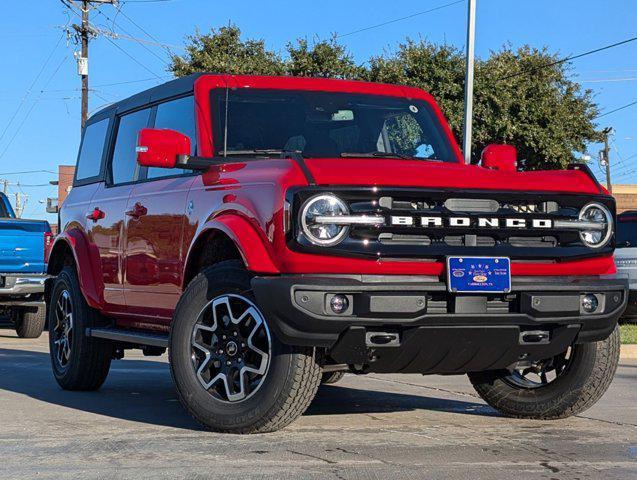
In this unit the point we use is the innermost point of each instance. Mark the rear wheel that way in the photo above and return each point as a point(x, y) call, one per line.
point(29, 321)
point(554, 388)
point(231, 372)
point(79, 362)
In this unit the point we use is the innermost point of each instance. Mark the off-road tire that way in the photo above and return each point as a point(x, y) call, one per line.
point(328, 378)
point(90, 358)
point(288, 388)
point(578, 388)
point(29, 321)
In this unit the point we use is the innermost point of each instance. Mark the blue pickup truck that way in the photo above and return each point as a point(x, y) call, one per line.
point(24, 246)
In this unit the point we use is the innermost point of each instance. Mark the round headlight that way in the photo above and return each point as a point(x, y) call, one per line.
point(599, 214)
point(321, 233)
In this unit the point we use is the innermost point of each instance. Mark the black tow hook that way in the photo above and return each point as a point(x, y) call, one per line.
point(382, 339)
point(534, 337)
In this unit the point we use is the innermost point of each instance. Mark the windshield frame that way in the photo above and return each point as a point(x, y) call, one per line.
point(217, 95)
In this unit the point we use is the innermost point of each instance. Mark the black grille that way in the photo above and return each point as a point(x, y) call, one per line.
point(415, 241)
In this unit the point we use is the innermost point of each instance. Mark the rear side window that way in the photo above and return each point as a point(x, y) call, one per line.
point(89, 162)
point(176, 115)
point(124, 167)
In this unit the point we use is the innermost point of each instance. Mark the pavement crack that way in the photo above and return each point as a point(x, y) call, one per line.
point(426, 387)
point(611, 422)
point(549, 467)
point(315, 457)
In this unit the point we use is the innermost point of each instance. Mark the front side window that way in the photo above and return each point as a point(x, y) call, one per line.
point(176, 115)
point(326, 124)
point(124, 167)
point(89, 162)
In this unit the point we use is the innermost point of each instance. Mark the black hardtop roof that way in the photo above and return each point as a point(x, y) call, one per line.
point(173, 88)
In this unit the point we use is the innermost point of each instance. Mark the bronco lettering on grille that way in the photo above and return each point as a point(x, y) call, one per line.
point(480, 222)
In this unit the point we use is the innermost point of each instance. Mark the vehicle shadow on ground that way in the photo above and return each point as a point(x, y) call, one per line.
point(142, 391)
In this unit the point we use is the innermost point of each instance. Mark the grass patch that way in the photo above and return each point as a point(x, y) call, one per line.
point(628, 333)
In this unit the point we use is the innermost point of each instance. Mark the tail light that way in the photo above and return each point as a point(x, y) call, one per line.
point(48, 242)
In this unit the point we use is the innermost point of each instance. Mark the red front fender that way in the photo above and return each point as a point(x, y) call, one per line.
point(250, 244)
point(89, 273)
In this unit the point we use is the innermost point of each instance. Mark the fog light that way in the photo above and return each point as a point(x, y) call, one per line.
point(589, 303)
point(339, 303)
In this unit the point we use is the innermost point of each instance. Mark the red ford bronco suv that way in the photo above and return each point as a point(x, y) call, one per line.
point(274, 232)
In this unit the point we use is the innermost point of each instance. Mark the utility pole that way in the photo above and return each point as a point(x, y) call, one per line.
point(5, 186)
point(20, 203)
point(83, 35)
point(82, 62)
point(468, 81)
point(604, 157)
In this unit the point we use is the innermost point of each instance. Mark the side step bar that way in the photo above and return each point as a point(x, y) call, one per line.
point(130, 336)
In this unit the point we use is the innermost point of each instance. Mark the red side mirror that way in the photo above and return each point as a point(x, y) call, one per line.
point(500, 157)
point(161, 147)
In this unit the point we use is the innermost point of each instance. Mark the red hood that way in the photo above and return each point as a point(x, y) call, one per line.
point(419, 173)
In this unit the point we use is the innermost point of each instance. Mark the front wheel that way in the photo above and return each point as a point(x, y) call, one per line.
point(554, 388)
point(231, 372)
point(79, 362)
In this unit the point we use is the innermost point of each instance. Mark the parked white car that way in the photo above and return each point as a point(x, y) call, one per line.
point(626, 258)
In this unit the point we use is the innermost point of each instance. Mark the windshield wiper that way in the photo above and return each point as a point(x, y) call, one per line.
point(259, 151)
point(376, 154)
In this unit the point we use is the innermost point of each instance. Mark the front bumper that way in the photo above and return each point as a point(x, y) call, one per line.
point(432, 330)
point(21, 289)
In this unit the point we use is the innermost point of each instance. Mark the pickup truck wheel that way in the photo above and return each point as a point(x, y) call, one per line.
point(29, 322)
point(329, 378)
point(231, 372)
point(554, 388)
point(79, 362)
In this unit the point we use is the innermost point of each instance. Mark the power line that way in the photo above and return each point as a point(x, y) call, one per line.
point(28, 92)
point(132, 58)
point(152, 37)
point(130, 81)
point(440, 7)
point(131, 37)
point(32, 107)
point(567, 59)
point(609, 80)
point(616, 109)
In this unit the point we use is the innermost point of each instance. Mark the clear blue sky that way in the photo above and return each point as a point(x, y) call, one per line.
point(45, 131)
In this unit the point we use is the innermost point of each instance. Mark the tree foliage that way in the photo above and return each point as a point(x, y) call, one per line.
point(522, 97)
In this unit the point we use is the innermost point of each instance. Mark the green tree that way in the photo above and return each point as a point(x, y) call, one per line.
point(223, 51)
point(522, 97)
point(526, 99)
point(325, 58)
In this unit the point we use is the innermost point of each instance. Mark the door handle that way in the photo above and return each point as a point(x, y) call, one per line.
point(95, 215)
point(137, 211)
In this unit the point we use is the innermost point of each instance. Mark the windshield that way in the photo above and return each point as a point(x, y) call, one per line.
point(325, 124)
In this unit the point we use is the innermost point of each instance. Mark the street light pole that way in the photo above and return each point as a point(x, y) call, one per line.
point(468, 85)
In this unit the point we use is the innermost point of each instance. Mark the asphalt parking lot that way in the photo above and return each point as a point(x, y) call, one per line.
point(380, 426)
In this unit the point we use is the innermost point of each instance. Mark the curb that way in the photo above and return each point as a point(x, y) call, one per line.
point(628, 352)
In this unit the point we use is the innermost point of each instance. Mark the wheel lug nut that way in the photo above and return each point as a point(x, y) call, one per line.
point(243, 345)
point(234, 334)
point(223, 337)
point(228, 363)
point(239, 360)
point(220, 351)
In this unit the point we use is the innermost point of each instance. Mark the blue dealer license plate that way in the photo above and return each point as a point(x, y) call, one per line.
point(479, 274)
